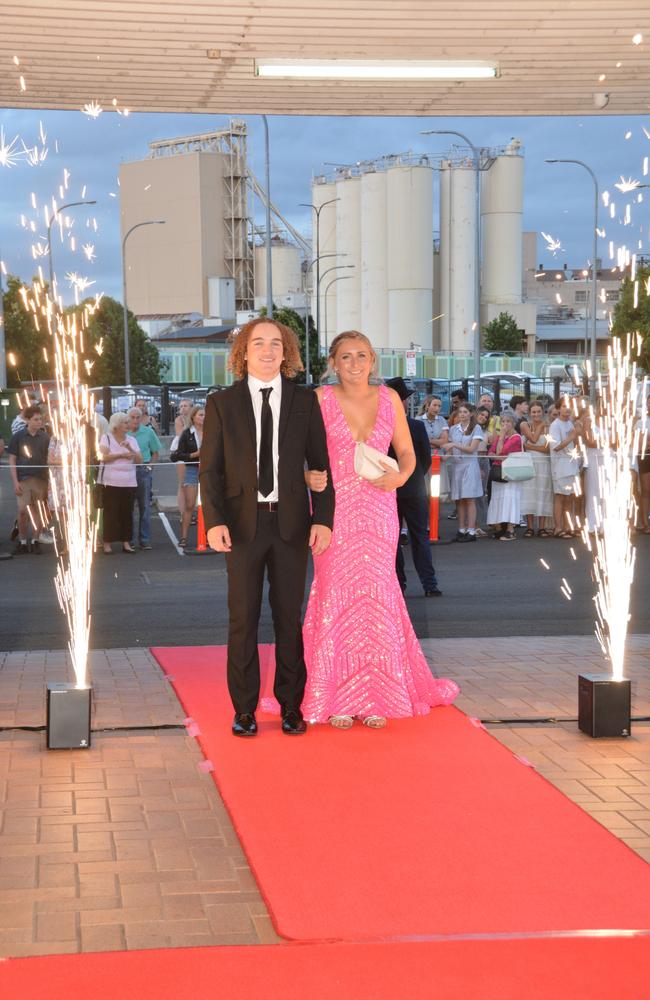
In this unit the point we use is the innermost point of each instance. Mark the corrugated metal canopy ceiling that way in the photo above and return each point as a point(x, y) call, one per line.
point(188, 56)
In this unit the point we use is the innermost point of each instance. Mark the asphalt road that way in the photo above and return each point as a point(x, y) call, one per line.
point(160, 598)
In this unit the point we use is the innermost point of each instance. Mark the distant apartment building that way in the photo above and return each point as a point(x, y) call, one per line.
point(563, 300)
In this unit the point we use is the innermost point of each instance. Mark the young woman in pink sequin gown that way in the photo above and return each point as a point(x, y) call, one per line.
point(363, 658)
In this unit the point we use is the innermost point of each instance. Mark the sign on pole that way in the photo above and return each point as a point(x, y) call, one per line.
point(411, 367)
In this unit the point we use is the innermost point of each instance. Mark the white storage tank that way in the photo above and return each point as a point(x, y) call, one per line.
point(286, 273)
point(445, 254)
point(321, 193)
point(461, 255)
point(374, 253)
point(409, 232)
point(502, 205)
point(348, 250)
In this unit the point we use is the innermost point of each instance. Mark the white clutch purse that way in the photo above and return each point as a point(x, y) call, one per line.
point(367, 461)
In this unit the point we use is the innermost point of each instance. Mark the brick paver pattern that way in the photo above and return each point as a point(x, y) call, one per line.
point(128, 844)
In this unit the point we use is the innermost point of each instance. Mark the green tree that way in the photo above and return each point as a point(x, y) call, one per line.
point(317, 363)
point(106, 326)
point(503, 334)
point(628, 318)
point(23, 340)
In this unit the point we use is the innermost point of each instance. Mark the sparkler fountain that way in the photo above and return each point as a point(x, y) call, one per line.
point(604, 700)
point(69, 705)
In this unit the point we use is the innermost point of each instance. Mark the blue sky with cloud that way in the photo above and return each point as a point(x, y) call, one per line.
point(558, 199)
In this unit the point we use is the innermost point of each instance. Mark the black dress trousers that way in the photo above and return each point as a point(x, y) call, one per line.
point(286, 565)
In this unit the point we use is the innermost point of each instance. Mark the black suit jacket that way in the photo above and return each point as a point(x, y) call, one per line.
point(414, 485)
point(228, 464)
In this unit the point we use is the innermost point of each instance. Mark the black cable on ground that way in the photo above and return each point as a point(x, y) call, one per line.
point(106, 729)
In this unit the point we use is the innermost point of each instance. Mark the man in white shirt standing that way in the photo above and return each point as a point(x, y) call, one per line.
point(257, 436)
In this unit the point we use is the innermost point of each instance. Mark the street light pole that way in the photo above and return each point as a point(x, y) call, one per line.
point(337, 267)
point(69, 204)
point(594, 270)
point(477, 248)
point(316, 261)
point(341, 277)
point(318, 209)
point(269, 255)
point(127, 361)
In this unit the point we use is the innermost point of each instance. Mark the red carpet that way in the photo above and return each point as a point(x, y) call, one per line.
point(475, 970)
point(427, 827)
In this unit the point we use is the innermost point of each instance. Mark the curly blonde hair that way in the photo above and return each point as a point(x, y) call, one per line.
point(291, 362)
point(351, 335)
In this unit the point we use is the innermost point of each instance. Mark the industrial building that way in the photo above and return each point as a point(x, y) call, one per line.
point(390, 263)
point(201, 260)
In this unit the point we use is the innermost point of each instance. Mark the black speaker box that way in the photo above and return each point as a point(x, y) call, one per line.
point(68, 717)
point(604, 705)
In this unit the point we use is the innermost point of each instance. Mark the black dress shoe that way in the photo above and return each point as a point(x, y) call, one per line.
point(244, 724)
point(433, 593)
point(293, 724)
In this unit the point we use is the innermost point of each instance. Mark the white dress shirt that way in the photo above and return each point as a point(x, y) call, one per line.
point(254, 386)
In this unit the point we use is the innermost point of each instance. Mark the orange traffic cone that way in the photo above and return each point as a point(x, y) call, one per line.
point(434, 498)
point(201, 536)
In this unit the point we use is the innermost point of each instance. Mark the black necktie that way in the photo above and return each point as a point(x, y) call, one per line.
point(266, 446)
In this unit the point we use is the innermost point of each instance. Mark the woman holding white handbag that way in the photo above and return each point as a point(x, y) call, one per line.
point(505, 503)
point(363, 658)
point(537, 493)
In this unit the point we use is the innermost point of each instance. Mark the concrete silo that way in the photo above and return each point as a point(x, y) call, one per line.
point(458, 254)
point(322, 192)
point(445, 253)
point(286, 272)
point(348, 249)
point(409, 232)
point(502, 205)
point(374, 254)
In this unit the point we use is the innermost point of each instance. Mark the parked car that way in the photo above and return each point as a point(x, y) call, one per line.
point(424, 387)
point(568, 373)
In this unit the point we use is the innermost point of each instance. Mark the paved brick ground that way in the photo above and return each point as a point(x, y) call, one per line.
point(532, 677)
point(128, 844)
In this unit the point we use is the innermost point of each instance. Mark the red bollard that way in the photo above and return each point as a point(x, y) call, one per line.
point(434, 498)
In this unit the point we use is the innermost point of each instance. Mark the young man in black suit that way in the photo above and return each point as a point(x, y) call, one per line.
point(257, 436)
point(413, 502)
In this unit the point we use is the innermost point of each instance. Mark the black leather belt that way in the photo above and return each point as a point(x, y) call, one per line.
point(271, 505)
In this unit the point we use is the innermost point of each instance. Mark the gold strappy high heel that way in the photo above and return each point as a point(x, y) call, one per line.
point(341, 721)
point(374, 721)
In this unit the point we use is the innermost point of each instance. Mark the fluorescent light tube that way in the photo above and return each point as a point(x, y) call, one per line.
point(375, 69)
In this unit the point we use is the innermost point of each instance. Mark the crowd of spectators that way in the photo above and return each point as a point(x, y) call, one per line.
point(125, 449)
point(564, 491)
point(471, 441)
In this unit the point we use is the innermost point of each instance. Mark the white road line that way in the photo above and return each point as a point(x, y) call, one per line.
point(170, 531)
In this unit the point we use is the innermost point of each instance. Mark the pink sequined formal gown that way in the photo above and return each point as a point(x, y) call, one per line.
point(361, 652)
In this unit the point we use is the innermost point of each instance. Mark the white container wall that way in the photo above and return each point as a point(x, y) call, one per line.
point(221, 298)
point(409, 231)
point(446, 175)
point(374, 252)
point(409, 317)
point(348, 249)
point(286, 272)
point(502, 203)
point(321, 193)
point(462, 254)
